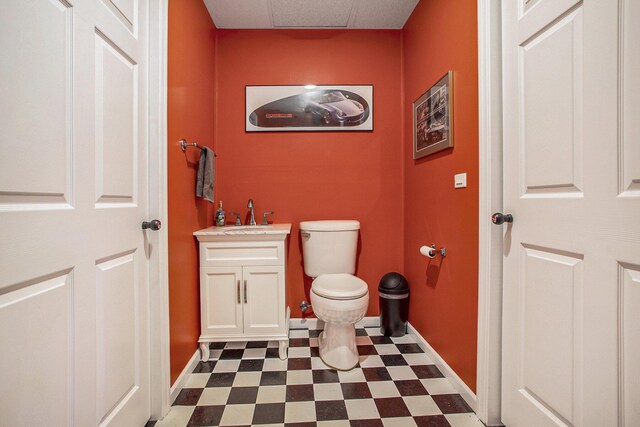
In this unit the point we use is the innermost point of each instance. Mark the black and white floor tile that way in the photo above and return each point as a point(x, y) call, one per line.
point(246, 384)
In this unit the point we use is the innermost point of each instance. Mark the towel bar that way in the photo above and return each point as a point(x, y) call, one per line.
point(184, 144)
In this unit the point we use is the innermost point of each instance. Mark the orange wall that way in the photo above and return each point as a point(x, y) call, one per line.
point(441, 35)
point(315, 175)
point(190, 111)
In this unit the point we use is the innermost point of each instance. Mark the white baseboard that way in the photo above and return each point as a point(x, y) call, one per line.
point(183, 377)
point(457, 383)
point(313, 323)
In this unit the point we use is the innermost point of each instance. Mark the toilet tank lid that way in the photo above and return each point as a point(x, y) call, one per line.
point(332, 225)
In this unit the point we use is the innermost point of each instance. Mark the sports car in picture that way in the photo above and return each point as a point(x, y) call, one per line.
point(333, 107)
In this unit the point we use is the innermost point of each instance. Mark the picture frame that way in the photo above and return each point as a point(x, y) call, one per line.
point(308, 108)
point(433, 118)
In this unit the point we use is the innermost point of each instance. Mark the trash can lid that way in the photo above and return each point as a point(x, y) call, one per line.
point(393, 283)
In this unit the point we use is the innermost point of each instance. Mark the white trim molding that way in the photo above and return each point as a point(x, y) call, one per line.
point(159, 258)
point(489, 362)
point(446, 370)
point(182, 379)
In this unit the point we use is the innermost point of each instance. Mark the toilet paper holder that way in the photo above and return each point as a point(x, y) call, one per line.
point(430, 251)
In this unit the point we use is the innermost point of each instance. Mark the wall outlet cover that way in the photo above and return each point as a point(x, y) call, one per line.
point(460, 180)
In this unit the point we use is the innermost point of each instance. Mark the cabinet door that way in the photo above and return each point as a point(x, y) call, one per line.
point(221, 300)
point(264, 308)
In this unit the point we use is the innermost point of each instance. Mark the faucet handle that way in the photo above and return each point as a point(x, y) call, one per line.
point(264, 217)
point(238, 222)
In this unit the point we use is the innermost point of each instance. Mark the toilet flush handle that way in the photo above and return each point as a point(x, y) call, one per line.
point(305, 234)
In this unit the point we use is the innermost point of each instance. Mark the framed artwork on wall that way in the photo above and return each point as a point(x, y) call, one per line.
point(309, 108)
point(433, 118)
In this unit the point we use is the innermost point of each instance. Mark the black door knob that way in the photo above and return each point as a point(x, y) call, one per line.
point(499, 219)
point(154, 225)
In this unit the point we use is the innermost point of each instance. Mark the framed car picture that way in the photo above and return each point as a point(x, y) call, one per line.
point(433, 118)
point(309, 108)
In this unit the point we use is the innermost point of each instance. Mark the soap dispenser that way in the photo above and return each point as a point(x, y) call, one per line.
point(221, 218)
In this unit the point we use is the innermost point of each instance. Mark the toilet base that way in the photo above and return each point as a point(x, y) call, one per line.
point(337, 346)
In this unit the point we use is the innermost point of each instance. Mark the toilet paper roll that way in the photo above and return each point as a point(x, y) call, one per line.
point(428, 251)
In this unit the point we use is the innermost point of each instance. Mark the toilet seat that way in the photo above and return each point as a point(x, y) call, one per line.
point(339, 286)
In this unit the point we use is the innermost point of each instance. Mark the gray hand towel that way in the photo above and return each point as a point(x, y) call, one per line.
point(206, 174)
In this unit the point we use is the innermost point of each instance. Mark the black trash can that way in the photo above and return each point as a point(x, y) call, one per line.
point(394, 304)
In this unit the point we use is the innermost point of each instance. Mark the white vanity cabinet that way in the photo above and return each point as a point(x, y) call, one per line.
point(243, 285)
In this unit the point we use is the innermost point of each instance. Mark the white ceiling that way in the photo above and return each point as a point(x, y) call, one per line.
point(358, 14)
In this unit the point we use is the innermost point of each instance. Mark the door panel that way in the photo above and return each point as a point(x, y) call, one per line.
point(116, 127)
point(630, 343)
point(36, 66)
point(551, 87)
point(262, 311)
point(37, 316)
point(570, 161)
point(120, 309)
point(222, 293)
point(630, 98)
point(552, 280)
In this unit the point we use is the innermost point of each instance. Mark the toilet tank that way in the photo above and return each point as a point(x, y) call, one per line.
point(329, 247)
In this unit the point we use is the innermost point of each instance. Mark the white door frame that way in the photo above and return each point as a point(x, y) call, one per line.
point(489, 378)
point(488, 389)
point(158, 256)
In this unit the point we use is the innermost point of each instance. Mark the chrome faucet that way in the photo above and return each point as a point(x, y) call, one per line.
point(252, 219)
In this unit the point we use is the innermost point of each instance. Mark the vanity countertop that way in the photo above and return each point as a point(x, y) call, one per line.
point(244, 230)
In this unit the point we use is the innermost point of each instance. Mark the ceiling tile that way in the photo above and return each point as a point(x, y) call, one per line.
point(383, 13)
point(369, 14)
point(311, 13)
point(239, 13)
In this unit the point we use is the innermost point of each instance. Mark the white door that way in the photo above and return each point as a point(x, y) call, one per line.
point(74, 340)
point(571, 335)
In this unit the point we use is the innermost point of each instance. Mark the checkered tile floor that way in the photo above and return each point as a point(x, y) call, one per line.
point(395, 384)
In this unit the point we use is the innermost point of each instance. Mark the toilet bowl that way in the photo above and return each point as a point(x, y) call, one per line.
point(339, 300)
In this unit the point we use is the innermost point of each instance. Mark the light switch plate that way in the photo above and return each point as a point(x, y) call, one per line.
point(460, 180)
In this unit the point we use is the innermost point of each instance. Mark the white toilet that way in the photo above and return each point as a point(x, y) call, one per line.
point(339, 298)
